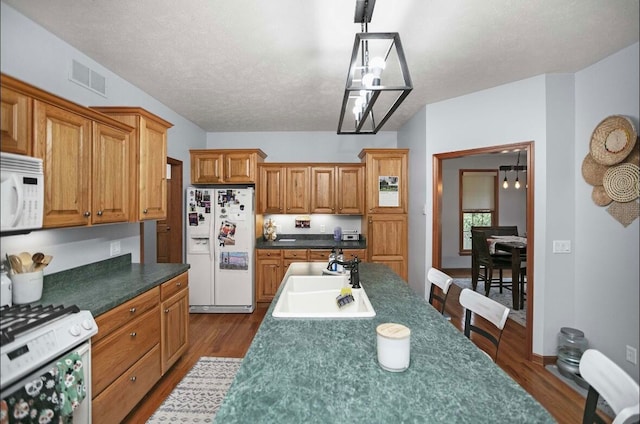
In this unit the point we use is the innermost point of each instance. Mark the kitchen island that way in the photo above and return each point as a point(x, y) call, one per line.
point(325, 371)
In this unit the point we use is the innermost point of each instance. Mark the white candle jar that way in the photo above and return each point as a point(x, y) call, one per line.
point(393, 346)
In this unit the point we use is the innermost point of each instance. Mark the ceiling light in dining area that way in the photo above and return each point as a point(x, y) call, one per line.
point(511, 168)
point(378, 79)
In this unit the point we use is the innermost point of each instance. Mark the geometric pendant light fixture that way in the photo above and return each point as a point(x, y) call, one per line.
point(378, 79)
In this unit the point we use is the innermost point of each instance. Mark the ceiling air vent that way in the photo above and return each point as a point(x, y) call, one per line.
point(86, 77)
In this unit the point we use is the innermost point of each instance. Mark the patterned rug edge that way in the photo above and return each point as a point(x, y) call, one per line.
point(198, 396)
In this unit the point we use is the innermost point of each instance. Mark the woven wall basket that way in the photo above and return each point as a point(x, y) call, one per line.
point(624, 213)
point(592, 171)
point(600, 197)
point(612, 140)
point(622, 182)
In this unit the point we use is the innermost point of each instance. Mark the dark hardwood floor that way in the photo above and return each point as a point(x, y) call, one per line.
point(229, 335)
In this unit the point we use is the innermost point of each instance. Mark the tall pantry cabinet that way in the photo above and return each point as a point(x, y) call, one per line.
point(385, 220)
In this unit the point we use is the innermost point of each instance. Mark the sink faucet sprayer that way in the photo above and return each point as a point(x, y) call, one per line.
point(352, 265)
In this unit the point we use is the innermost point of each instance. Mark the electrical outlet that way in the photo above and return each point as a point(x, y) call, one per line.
point(322, 228)
point(632, 355)
point(115, 248)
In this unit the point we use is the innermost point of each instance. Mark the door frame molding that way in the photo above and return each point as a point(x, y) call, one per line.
point(436, 240)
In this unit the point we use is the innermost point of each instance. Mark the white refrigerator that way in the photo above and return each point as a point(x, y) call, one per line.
point(220, 245)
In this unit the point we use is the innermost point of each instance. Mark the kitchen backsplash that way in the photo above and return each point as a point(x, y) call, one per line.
point(286, 224)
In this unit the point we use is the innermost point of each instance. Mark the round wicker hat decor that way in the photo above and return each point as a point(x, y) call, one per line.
point(612, 140)
point(592, 171)
point(622, 182)
point(600, 197)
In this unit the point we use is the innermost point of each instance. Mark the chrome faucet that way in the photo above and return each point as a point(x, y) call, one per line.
point(354, 273)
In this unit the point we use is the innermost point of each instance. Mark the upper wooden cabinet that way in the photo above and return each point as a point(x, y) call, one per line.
point(86, 164)
point(387, 180)
point(15, 117)
point(337, 189)
point(311, 188)
point(283, 188)
point(296, 195)
point(271, 188)
point(110, 199)
point(149, 159)
point(216, 166)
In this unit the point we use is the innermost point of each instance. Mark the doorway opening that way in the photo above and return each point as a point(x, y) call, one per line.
point(169, 231)
point(437, 223)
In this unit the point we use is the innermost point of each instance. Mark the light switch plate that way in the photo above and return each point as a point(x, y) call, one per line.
point(562, 246)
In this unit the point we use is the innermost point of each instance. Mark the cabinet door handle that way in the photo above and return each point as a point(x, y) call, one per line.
point(133, 334)
point(132, 310)
point(166, 311)
point(100, 212)
point(134, 378)
point(144, 211)
point(87, 214)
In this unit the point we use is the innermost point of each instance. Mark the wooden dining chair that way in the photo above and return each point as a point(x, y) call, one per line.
point(484, 263)
point(492, 311)
point(608, 380)
point(439, 279)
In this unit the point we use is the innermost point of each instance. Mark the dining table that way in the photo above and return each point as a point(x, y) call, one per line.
point(518, 249)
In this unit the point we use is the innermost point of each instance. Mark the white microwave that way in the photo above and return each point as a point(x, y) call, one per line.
point(21, 192)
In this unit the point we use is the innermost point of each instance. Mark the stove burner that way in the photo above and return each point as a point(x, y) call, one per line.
point(18, 319)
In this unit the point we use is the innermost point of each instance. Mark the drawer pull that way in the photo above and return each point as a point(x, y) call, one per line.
point(133, 334)
point(166, 311)
point(132, 310)
point(133, 378)
point(178, 284)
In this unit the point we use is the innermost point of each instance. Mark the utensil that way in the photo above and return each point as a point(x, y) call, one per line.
point(16, 264)
point(27, 262)
point(37, 258)
point(41, 261)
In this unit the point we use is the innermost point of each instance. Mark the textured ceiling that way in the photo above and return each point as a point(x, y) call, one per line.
point(281, 65)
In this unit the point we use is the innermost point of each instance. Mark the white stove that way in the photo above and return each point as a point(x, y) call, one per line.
point(33, 337)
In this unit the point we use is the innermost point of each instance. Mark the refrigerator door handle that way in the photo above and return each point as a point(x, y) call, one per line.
point(212, 240)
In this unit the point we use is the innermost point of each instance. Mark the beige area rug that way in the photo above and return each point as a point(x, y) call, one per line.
point(198, 396)
point(519, 316)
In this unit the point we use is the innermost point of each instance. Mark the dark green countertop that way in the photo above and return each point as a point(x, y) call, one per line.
point(309, 241)
point(104, 285)
point(325, 371)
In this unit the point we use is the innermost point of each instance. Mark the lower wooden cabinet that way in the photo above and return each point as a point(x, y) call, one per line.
point(387, 241)
point(115, 402)
point(174, 320)
point(269, 273)
point(137, 342)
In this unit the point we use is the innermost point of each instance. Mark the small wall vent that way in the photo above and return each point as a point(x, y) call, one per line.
point(88, 78)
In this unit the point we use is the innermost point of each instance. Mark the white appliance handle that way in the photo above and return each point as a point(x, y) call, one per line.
point(212, 241)
point(20, 206)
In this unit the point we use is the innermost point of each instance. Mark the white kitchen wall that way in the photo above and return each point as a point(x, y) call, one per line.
point(318, 146)
point(607, 274)
point(595, 288)
point(412, 136)
point(32, 54)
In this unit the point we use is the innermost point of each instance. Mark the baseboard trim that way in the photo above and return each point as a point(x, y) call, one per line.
point(543, 360)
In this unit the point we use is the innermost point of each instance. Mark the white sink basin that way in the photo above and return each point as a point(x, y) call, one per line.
point(314, 296)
